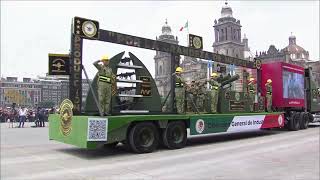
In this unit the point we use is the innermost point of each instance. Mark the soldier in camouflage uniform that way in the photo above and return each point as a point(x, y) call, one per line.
point(214, 93)
point(180, 91)
point(104, 83)
point(191, 95)
point(269, 94)
point(252, 93)
point(201, 95)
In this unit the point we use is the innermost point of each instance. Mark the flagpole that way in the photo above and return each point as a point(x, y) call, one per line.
point(188, 33)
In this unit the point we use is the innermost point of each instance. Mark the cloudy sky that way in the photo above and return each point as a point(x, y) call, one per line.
point(31, 30)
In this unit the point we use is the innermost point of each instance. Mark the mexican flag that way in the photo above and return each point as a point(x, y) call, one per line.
point(185, 26)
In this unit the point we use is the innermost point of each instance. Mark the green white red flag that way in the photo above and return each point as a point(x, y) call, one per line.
point(185, 26)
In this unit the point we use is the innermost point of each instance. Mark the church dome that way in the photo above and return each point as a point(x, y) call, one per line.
point(226, 11)
point(296, 52)
point(166, 29)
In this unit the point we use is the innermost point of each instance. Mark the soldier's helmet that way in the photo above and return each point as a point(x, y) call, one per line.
point(214, 74)
point(105, 58)
point(269, 81)
point(179, 70)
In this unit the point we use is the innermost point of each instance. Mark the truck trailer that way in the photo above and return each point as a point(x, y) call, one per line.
point(137, 117)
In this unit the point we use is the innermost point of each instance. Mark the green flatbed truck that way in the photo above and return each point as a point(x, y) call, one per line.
point(137, 117)
point(143, 133)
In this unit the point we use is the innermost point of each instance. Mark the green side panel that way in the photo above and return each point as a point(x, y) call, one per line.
point(117, 128)
point(212, 124)
point(78, 133)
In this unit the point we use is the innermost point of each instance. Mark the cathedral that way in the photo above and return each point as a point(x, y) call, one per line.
point(162, 62)
point(227, 41)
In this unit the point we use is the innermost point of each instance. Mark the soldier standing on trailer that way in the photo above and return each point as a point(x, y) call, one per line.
point(252, 92)
point(179, 91)
point(269, 94)
point(214, 93)
point(104, 83)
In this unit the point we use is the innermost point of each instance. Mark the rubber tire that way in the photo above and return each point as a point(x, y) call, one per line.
point(167, 138)
point(304, 124)
point(135, 133)
point(294, 123)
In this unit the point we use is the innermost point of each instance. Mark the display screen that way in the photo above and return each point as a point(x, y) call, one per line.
point(293, 85)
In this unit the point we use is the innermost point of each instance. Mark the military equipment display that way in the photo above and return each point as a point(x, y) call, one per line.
point(135, 115)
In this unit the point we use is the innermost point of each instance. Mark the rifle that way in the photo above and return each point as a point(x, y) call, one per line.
point(125, 75)
point(126, 88)
point(125, 60)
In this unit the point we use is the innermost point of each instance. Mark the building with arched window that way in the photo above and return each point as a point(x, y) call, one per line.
point(162, 62)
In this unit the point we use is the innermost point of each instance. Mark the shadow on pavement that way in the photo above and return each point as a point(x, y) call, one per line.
point(93, 154)
point(123, 150)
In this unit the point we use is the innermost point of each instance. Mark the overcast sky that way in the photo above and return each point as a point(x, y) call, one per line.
point(31, 30)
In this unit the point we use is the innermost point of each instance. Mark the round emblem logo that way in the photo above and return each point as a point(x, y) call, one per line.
point(280, 120)
point(89, 29)
point(66, 117)
point(196, 42)
point(200, 126)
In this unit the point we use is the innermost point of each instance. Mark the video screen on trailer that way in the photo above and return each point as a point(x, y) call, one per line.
point(293, 85)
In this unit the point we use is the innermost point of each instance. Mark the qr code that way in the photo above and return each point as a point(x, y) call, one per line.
point(97, 129)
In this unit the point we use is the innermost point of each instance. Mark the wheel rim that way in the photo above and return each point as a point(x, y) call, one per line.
point(146, 137)
point(177, 135)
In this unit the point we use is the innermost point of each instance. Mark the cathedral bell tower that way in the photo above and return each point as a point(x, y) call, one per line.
point(163, 61)
point(227, 32)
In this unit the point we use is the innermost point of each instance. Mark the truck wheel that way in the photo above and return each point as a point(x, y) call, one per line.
point(294, 123)
point(143, 137)
point(175, 135)
point(304, 121)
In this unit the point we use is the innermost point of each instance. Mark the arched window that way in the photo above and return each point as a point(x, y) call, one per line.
point(160, 69)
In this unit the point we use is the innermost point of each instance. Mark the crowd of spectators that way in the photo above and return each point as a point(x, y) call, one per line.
point(21, 114)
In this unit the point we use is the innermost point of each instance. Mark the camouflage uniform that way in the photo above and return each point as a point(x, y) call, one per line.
point(180, 94)
point(252, 94)
point(269, 96)
point(201, 96)
point(214, 95)
point(104, 86)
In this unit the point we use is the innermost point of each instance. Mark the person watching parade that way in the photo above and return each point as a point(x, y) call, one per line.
point(268, 86)
point(214, 93)
point(179, 91)
point(104, 83)
point(252, 92)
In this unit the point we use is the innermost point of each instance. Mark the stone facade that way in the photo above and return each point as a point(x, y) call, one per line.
point(163, 62)
point(293, 54)
point(30, 92)
point(228, 42)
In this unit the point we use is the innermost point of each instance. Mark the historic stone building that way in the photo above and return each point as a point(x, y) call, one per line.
point(163, 62)
point(227, 41)
point(293, 54)
point(30, 92)
point(25, 93)
point(227, 32)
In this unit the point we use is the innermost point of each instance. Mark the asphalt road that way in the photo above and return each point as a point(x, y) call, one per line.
point(277, 154)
